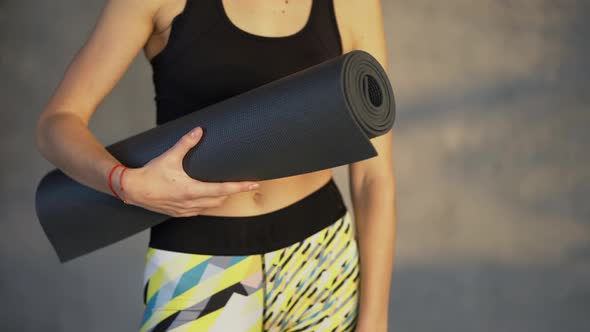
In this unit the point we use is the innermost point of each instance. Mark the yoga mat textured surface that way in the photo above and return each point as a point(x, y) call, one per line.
point(321, 117)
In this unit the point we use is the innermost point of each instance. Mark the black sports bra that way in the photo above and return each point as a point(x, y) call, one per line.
point(208, 59)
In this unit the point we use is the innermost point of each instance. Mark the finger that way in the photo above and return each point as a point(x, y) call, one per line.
point(185, 143)
point(198, 202)
point(189, 212)
point(206, 202)
point(222, 188)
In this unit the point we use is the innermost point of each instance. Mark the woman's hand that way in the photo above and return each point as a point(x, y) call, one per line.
point(163, 186)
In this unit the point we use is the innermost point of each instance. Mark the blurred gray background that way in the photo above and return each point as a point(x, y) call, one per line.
point(492, 167)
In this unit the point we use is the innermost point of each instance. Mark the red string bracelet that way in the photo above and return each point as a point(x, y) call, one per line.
point(121, 184)
point(110, 180)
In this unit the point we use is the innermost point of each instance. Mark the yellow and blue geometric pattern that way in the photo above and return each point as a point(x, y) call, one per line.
point(311, 285)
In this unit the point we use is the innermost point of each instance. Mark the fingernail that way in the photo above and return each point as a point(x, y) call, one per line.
point(194, 132)
point(254, 186)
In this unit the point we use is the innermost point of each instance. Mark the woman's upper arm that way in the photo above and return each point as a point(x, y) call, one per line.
point(363, 28)
point(122, 29)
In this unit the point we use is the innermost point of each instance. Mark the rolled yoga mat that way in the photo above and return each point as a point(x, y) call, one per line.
point(320, 117)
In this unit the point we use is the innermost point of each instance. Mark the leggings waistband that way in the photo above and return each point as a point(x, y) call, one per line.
point(246, 235)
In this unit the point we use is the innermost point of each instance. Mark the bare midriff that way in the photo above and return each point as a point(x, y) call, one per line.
point(271, 195)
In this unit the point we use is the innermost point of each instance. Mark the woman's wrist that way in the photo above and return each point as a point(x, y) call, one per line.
point(113, 181)
point(127, 184)
point(121, 182)
point(121, 187)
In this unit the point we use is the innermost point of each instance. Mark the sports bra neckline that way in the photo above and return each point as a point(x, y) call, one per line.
point(234, 27)
point(221, 16)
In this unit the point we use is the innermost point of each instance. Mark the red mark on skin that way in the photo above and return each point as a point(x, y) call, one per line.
point(283, 11)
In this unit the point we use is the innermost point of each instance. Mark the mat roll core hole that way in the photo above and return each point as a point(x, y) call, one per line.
point(373, 90)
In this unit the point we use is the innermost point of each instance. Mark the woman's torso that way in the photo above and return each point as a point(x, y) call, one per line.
point(237, 46)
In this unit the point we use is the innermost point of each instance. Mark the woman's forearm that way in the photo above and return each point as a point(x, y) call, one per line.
point(65, 141)
point(374, 210)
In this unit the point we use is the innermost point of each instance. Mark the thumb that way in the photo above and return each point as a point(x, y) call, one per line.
point(186, 142)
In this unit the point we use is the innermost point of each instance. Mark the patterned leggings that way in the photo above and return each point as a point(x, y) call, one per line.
point(308, 285)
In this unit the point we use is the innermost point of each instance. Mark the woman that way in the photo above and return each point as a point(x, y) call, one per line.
point(280, 256)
